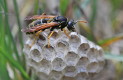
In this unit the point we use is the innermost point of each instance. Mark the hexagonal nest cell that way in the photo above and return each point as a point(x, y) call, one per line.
point(74, 58)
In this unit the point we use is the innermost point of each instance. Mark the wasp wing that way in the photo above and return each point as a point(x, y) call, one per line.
point(40, 27)
point(43, 16)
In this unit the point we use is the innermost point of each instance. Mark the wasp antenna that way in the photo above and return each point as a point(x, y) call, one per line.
point(81, 21)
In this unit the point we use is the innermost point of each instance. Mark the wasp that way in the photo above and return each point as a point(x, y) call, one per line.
point(53, 22)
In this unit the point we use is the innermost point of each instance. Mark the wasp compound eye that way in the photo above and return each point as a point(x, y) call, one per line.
point(70, 25)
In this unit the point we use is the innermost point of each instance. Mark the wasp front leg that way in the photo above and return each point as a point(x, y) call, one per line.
point(65, 32)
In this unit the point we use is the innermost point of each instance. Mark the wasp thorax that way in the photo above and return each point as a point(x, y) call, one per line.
point(60, 19)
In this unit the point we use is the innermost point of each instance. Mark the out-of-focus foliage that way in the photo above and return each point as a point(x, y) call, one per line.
point(63, 6)
point(116, 4)
point(9, 55)
point(109, 41)
point(114, 57)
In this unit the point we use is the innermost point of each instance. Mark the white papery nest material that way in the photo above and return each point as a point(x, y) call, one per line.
point(74, 58)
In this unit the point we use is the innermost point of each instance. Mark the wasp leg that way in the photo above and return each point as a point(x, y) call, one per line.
point(66, 33)
point(49, 38)
point(35, 37)
point(38, 33)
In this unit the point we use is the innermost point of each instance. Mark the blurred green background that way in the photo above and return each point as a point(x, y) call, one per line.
point(104, 27)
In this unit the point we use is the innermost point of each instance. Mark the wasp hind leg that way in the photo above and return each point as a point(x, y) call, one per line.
point(49, 38)
point(35, 37)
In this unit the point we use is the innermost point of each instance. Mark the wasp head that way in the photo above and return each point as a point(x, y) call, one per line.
point(71, 24)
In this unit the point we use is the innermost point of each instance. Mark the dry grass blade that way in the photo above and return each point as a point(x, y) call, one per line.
point(109, 41)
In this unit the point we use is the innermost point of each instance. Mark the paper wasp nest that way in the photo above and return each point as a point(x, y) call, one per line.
point(73, 58)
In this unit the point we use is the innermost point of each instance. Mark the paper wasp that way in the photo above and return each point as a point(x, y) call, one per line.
point(44, 21)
